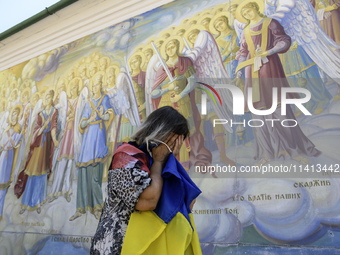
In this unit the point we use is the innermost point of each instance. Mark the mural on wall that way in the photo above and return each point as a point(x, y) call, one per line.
point(63, 113)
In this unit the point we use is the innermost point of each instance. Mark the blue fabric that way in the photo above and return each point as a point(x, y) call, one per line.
point(35, 191)
point(2, 199)
point(178, 189)
point(94, 139)
point(6, 164)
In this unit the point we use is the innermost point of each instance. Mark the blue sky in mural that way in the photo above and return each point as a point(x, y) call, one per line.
point(15, 11)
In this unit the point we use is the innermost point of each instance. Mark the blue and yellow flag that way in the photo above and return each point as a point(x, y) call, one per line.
point(170, 228)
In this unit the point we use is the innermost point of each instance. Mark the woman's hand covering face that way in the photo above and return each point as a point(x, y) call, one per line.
point(161, 152)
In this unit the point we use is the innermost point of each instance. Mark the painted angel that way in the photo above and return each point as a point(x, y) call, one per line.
point(137, 78)
point(174, 82)
point(32, 183)
point(301, 23)
point(4, 113)
point(94, 119)
point(9, 144)
point(24, 121)
point(63, 163)
point(265, 37)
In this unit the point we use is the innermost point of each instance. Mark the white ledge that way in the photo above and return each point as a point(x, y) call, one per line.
point(78, 20)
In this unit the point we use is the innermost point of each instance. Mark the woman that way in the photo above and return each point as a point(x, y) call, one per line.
point(264, 37)
point(135, 181)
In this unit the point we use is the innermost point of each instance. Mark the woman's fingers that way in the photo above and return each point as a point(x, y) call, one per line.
point(169, 137)
point(178, 145)
point(172, 142)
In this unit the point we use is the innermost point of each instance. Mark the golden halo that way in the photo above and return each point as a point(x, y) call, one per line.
point(80, 85)
point(238, 14)
point(26, 90)
point(73, 70)
point(96, 62)
point(232, 3)
point(147, 47)
point(14, 90)
point(196, 27)
point(96, 55)
point(17, 106)
point(59, 83)
point(107, 60)
point(141, 54)
point(212, 21)
point(199, 21)
point(4, 101)
point(139, 48)
point(193, 20)
point(197, 15)
point(206, 12)
point(160, 41)
point(151, 39)
point(165, 34)
point(99, 73)
point(34, 95)
point(219, 8)
point(116, 62)
point(185, 21)
point(117, 70)
point(81, 67)
point(179, 28)
point(174, 37)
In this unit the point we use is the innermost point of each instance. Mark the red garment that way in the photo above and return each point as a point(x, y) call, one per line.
point(181, 65)
point(127, 156)
point(140, 79)
point(199, 155)
point(270, 74)
point(36, 142)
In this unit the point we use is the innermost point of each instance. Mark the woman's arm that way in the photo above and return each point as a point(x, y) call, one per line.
point(149, 198)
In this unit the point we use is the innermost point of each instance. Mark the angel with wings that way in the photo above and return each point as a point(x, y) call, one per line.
point(227, 41)
point(39, 161)
point(177, 94)
point(136, 63)
point(328, 13)
point(63, 159)
point(94, 119)
point(301, 23)
point(265, 37)
point(9, 143)
point(24, 121)
point(4, 113)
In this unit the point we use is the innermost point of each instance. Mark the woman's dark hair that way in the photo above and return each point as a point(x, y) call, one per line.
point(159, 124)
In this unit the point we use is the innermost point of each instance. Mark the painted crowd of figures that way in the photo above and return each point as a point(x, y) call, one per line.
point(51, 136)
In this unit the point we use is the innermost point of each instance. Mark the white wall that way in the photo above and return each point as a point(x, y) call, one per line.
point(69, 24)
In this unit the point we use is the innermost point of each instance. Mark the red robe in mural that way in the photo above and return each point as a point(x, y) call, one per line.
point(277, 141)
point(199, 155)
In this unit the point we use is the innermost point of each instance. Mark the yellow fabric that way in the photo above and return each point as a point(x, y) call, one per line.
point(147, 234)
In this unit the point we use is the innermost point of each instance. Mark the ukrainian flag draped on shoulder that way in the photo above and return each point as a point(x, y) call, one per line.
point(170, 228)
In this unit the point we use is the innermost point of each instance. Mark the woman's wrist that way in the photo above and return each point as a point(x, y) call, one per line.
point(158, 165)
